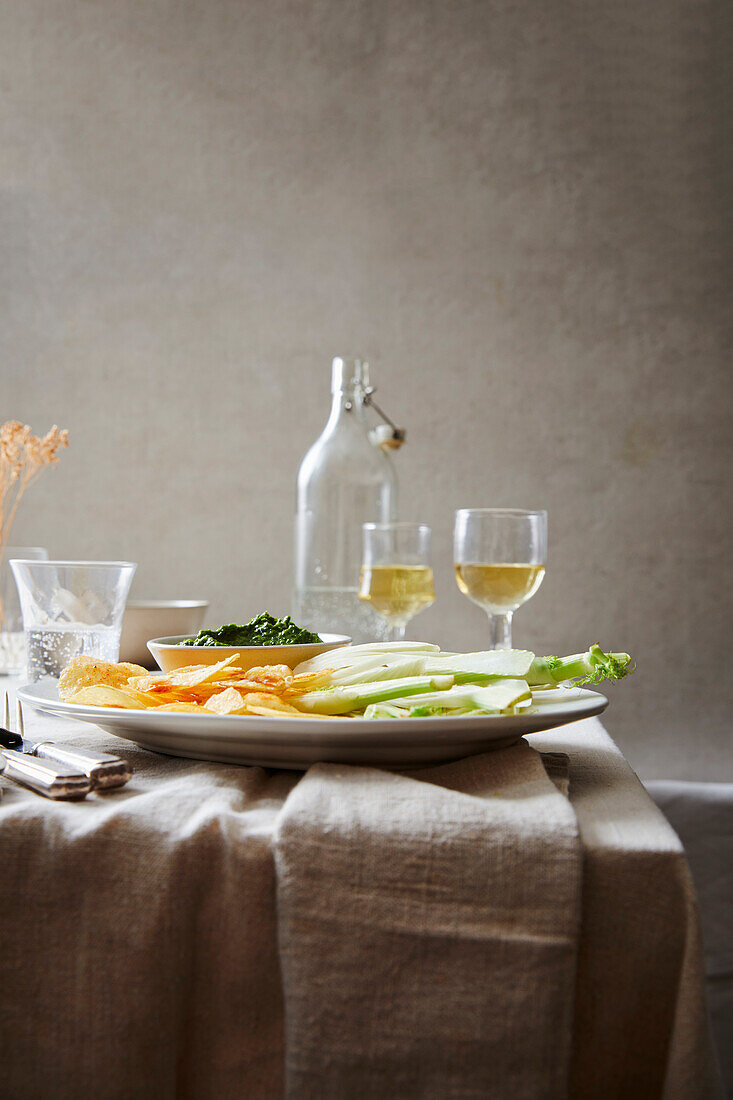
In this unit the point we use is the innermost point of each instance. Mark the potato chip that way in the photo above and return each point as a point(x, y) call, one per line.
point(149, 681)
point(309, 681)
point(247, 685)
point(228, 701)
point(82, 672)
point(264, 702)
point(220, 688)
point(101, 695)
point(270, 712)
point(271, 675)
point(163, 698)
point(155, 676)
point(185, 708)
point(201, 674)
point(188, 677)
point(205, 691)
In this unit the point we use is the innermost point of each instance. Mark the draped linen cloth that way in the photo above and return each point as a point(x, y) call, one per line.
point(223, 932)
point(641, 1025)
point(428, 930)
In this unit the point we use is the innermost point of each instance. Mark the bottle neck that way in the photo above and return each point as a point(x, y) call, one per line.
point(349, 382)
point(347, 404)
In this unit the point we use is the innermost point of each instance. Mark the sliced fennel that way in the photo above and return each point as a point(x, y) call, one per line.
point(392, 647)
point(401, 679)
point(466, 668)
point(372, 669)
point(345, 700)
point(496, 698)
point(579, 668)
point(386, 710)
point(548, 697)
point(352, 654)
point(475, 668)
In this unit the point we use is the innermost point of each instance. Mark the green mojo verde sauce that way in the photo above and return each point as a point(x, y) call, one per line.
point(264, 629)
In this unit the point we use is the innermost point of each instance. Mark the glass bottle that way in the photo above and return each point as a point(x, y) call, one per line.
point(344, 481)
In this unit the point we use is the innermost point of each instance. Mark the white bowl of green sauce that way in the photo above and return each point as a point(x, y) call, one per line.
point(170, 654)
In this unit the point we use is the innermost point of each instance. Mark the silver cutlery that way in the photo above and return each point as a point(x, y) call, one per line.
point(101, 770)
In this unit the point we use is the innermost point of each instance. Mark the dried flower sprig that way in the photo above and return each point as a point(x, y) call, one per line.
point(23, 457)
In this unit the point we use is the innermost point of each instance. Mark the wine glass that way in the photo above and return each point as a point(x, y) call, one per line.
point(396, 575)
point(499, 556)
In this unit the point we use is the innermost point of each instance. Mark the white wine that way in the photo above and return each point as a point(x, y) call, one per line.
point(499, 587)
point(398, 592)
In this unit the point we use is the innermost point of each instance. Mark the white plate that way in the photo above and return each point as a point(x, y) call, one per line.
point(298, 743)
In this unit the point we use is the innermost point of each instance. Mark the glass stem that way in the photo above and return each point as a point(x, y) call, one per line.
point(397, 632)
point(501, 630)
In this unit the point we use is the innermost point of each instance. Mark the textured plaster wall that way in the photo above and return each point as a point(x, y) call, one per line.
point(515, 209)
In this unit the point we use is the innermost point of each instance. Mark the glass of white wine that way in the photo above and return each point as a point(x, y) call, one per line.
point(500, 556)
point(396, 574)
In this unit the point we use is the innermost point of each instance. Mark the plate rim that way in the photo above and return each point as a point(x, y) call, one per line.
point(596, 700)
point(295, 743)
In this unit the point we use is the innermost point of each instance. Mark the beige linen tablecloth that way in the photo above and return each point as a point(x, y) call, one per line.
point(464, 931)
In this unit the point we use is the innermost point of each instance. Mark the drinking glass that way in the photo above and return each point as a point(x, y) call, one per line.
point(12, 639)
point(499, 556)
point(70, 608)
point(396, 575)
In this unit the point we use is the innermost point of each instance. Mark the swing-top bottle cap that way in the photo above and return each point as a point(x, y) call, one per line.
point(351, 376)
